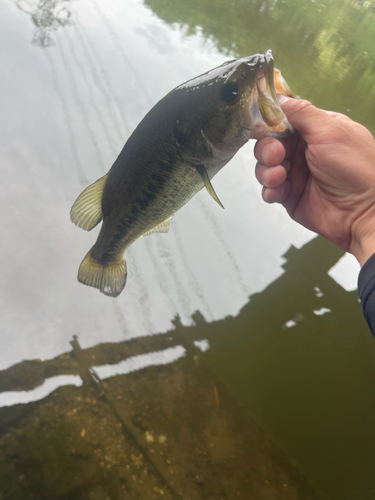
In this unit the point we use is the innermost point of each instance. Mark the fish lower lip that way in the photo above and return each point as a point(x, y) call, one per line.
point(268, 104)
point(263, 121)
point(265, 111)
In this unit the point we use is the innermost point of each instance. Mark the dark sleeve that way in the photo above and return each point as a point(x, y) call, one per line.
point(366, 290)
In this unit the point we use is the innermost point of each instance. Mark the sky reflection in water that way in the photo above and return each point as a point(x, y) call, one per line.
point(69, 109)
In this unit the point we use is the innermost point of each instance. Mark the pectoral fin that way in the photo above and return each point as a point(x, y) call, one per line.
point(203, 173)
point(161, 228)
point(86, 211)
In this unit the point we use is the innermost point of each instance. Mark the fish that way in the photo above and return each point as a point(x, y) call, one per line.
point(174, 152)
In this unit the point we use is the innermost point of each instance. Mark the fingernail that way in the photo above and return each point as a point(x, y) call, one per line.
point(283, 98)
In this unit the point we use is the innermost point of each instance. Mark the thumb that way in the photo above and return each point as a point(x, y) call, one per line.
point(305, 118)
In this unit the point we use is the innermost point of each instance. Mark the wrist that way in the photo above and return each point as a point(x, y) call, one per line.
point(363, 243)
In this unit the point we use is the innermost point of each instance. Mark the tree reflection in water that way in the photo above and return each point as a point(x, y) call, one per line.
point(47, 16)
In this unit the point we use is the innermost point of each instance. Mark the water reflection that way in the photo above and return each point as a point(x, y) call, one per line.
point(304, 365)
point(47, 16)
point(325, 49)
point(83, 97)
point(306, 375)
point(166, 428)
point(286, 364)
point(11, 398)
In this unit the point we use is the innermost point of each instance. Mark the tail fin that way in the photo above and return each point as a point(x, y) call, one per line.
point(110, 279)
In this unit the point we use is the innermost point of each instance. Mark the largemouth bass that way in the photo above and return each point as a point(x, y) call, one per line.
point(186, 138)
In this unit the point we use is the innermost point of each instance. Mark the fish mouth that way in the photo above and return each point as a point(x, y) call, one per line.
point(264, 112)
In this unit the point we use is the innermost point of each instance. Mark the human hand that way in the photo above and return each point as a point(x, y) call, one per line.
point(324, 176)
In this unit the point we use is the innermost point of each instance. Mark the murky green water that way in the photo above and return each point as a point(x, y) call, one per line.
point(114, 399)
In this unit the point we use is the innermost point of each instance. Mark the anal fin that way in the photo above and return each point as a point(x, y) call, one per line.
point(160, 228)
point(203, 173)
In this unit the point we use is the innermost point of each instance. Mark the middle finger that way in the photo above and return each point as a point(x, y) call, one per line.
point(271, 177)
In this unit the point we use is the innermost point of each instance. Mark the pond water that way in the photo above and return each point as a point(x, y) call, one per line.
point(234, 318)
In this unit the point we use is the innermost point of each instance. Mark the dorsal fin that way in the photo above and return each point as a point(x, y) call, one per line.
point(203, 173)
point(160, 228)
point(86, 211)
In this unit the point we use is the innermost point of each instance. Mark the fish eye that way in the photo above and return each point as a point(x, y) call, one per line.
point(229, 92)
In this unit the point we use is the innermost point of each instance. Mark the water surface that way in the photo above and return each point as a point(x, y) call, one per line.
point(297, 356)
